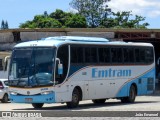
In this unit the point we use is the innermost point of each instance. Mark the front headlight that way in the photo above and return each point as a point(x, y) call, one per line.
point(13, 93)
point(46, 92)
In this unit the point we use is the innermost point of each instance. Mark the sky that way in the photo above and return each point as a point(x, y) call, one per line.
point(16, 12)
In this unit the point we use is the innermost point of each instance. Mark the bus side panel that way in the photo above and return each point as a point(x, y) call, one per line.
point(63, 92)
point(145, 85)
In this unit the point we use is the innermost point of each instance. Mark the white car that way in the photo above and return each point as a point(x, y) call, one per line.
point(4, 90)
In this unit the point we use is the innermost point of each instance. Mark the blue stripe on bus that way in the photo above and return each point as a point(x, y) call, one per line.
point(74, 68)
point(49, 98)
point(141, 82)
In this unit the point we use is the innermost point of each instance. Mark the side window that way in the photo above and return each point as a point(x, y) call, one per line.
point(128, 54)
point(113, 55)
point(131, 55)
point(116, 55)
point(87, 55)
point(142, 55)
point(91, 55)
point(119, 55)
point(74, 56)
point(62, 54)
point(80, 55)
point(149, 55)
point(77, 55)
point(104, 55)
point(137, 55)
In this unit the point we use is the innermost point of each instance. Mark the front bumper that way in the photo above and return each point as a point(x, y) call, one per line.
point(49, 98)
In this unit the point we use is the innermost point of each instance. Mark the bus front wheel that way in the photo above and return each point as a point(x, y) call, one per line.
point(131, 97)
point(75, 99)
point(37, 105)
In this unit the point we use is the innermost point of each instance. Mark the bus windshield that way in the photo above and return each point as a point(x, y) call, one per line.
point(31, 67)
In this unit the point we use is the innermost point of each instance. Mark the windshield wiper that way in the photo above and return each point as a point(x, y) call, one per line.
point(22, 75)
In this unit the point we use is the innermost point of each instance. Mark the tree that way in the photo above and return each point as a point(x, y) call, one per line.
point(76, 21)
point(124, 20)
point(45, 14)
point(93, 10)
point(56, 19)
point(59, 15)
point(41, 21)
point(4, 25)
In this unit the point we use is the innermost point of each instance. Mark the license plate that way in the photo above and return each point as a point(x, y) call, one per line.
point(28, 100)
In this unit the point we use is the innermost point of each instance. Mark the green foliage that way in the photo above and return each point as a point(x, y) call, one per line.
point(93, 10)
point(91, 13)
point(60, 15)
point(41, 21)
point(57, 19)
point(76, 20)
point(124, 20)
point(99, 15)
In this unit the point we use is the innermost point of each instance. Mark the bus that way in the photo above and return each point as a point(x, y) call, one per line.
point(70, 69)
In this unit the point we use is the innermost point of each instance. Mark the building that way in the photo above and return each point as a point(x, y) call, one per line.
point(10, 37)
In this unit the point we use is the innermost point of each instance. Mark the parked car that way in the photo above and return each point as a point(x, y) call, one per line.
point(4, 90)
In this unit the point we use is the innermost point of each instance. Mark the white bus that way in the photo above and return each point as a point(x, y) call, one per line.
point(70, 69)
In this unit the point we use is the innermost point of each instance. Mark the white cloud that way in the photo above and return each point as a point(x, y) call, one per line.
point(154, 13)
point(147, 8)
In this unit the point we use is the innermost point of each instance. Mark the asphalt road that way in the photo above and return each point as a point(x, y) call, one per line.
point(142, 103)
point(112, 108)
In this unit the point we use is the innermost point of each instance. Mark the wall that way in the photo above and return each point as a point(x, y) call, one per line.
point(7, 39)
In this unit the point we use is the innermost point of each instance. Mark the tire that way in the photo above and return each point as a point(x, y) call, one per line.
point(5, 98)
point(37, 105)
point(99, 101)
point(75, 99)
point(131, 97)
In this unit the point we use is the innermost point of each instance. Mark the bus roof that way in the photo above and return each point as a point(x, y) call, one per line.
point(79, 39)
point(59, 40)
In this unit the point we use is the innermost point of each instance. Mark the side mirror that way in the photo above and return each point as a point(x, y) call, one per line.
point(6, 63)
point(59, 66)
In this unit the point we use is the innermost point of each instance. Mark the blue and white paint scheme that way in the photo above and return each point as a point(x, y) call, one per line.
point(100, 81)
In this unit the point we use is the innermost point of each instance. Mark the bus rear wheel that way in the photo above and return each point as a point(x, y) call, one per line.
point(75, 99)
point(99, 101)
point(131, 97)
point(37, 105)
